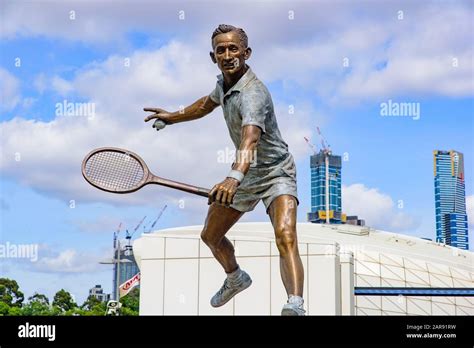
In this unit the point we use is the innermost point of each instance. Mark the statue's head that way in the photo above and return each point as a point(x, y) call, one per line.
point(230, 48)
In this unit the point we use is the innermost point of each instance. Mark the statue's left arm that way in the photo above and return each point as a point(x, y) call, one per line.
point(223, 193)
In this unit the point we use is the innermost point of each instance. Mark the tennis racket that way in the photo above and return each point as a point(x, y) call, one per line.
point(121, 171)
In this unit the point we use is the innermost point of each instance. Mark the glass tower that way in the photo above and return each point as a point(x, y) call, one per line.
point(128, 266)
point(450, 199)
point(318, 188)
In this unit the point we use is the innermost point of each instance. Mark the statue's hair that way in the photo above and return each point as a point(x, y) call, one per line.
point(225, 28)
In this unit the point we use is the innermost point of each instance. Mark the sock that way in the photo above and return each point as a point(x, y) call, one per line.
point(298, 300)
point(234, 276)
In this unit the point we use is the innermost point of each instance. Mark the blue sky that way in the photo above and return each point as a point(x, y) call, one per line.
point(301, 63)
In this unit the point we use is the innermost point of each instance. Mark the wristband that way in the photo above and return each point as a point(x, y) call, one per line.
point(237, 175)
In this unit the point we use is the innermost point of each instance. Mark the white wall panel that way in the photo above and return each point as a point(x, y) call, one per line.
point(211, 278)
point(182, 248)
point(256, 299)
point(181, 283)
point(151, 287)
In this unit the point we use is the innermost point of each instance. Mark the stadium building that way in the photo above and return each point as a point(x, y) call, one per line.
point(349, 270)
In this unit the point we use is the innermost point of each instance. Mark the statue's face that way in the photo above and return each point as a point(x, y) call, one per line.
point(229, 54)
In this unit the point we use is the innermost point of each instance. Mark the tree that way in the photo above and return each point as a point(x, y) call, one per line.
point(93, 306)
point(130, 303)
point(4, 308)
point(40, 298)
point(15, 311)
point(63, 301)
point(38, 304)
point(10, 293)
point(76, 312)
point(36, 308)
point(90, 302)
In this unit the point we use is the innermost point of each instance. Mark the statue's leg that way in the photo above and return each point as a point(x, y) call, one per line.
point(218, 222)
point(282, 213)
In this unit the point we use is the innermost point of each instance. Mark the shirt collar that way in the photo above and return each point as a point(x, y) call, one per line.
point(243, 81)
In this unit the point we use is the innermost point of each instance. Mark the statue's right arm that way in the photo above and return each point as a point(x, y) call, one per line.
point(200, 108)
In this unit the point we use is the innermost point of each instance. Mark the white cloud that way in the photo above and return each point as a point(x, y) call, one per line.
point(9, 90)
point(429, 55)
point(376, 208)
point(470, 210)
point(59, 85)
point(40, 82)
point(388, 57)
point(51, 152)
point(304, 53)
point(97, 22)
point(68, 261)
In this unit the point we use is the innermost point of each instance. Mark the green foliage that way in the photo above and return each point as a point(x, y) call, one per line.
point(63, 300)
point(38, 304)
point(11, 303)
point(4, 308)
point(40, 298)
point(75, 312)
point(130, 303)
point(128, 312)
point(55, 311)
point(92, 306)
point(10, 293)
point(36, 308)
point(15, 311)
point(90, 303)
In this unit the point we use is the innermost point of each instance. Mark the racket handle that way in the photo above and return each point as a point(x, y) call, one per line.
point(199, 191)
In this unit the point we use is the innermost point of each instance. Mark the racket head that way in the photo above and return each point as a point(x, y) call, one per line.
point(115, 170)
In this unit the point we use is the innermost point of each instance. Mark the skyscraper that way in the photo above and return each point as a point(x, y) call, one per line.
point(324, 166)
point(127, 269)
point(450, 199)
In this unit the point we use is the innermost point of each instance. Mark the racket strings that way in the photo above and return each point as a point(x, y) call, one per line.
point(114, 170)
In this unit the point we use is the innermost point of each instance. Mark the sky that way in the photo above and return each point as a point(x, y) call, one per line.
point(327, 64)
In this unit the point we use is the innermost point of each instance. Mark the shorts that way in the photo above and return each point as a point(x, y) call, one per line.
point(266, 183)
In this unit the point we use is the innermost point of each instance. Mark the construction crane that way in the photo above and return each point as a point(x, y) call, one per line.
point(116, 233)
point(129, 235)
point(116, 261)
point(157, 218)
point(327, 152)
point(324, 143)
point(313, 147)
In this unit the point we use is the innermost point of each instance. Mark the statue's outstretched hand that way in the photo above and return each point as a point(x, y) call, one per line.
point(161, 116)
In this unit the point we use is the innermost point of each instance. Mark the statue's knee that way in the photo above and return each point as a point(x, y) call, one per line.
point(208, 238)
point(205, 236)
point(285, 238)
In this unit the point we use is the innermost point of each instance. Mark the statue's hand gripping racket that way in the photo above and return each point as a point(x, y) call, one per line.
point(121, 171)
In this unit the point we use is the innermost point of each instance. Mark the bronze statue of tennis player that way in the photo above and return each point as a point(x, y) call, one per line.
point(264, 169)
